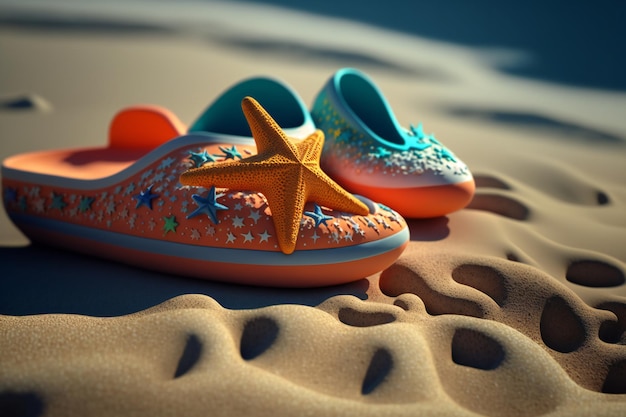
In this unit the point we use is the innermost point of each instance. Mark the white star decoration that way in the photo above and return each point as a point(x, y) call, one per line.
point(237, 222)
point(264, 236)
point(247, 237)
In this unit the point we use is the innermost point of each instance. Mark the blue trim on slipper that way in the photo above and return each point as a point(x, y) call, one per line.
point(211, 254)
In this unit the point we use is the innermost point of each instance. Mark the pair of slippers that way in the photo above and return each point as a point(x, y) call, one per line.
point(255, 197)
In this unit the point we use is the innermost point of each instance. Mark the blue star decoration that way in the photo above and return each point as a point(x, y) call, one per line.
point(418, 131)
point(230, 153)
point(85, 204)
point(415, 138)
point(318, 216)
point(444, 153)
point(200, 158)
point(384, 207)
point(381, 153)
point(10, 195)
point(57, 202)
point(208, 205)
point(22, 203)
point(144, 198)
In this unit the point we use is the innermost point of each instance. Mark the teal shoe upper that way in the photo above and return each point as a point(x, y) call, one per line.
point(366, 143)
point(224, 115)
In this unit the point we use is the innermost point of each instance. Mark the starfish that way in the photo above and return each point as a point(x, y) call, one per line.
point(285, 171)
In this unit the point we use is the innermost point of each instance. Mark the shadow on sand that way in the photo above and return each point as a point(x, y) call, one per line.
point(38, 279)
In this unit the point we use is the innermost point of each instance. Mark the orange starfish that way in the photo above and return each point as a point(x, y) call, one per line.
point(287, 172)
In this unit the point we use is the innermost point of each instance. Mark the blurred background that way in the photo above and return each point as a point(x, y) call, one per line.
point(576, 42)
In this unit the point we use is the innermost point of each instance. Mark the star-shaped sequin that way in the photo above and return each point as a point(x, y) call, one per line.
point(230, 153)
point(415, 138)
point(254, 215)
point(144, 198)
point(381, 153)
point(237, 222)
point(130, 188)
point(264, 237)
point(287, 173)
point(57, 202)
point(247, 237)
point(418, 131)
point(200, 158)
point(170, 224)
point(10, 195)
point(85, 204)
point(318, 216)
point(208, 205)
point(166, 162)
point(447, 155)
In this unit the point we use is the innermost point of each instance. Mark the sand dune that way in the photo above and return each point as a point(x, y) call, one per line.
point(189, 356)
point(514, 306)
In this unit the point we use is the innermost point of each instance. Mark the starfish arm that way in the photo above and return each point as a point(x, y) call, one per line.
point(287, 205)
point(326, 192)
point(286, 172)
point(269, 137)
point(310, 149)
point(233, 174)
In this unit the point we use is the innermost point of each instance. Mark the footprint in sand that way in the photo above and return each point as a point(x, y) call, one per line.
point(561, 328)
point(438, 299)
point(352, 317)
point(497, 199)
point(563, 183)
point(258, 335)
point(190, 356)
point(483, 278)
point(379, 367)
point(574, 334)
point(554, 183)
point(612, 331)
point(495, 195)
point(594, 274)
point(615, 382)
point(476, 350)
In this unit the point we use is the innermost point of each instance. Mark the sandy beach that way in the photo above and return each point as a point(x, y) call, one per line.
point(513, 306)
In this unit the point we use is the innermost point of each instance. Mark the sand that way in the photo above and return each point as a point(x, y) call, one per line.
point(514, 306)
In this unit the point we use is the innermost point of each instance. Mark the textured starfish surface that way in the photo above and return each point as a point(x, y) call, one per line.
point(285, 171)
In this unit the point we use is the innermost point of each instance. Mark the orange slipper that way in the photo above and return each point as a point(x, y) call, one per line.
point(209, 202)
